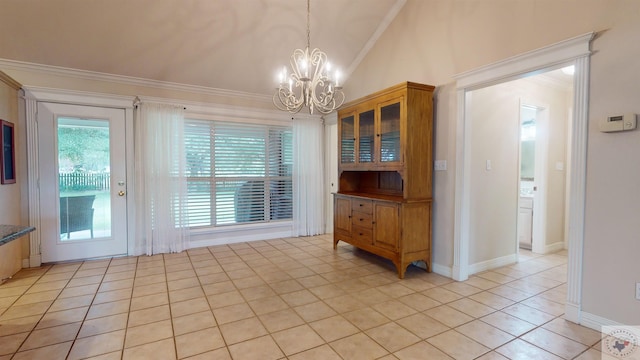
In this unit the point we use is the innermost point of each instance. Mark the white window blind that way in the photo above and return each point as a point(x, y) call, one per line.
point(238, 173)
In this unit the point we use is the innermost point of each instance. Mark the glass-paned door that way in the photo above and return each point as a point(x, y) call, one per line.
point(348, 140)
point(82, 181)
point(366, 137)
point(390, 132)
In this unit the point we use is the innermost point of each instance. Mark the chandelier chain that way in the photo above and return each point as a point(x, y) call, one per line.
point(308, 24)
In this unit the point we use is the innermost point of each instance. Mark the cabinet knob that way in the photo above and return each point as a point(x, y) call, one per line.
point(378, 135)
point(361, 219)
point(373, 223)
point(361, 204)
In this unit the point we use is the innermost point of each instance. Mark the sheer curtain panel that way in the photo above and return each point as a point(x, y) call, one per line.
point(161, 185)
point(308, 184)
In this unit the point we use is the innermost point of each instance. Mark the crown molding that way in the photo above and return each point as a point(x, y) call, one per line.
point(553, 56)
point(129, 80)
point(9, 81)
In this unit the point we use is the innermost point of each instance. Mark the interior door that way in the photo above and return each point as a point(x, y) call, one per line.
point(82, 167)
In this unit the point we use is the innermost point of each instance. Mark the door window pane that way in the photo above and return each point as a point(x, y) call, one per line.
point(84, 178)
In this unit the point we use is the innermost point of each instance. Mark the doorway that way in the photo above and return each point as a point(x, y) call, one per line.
point(82, 167)
point(527, 188)
point(543, 140)
point(574, 51)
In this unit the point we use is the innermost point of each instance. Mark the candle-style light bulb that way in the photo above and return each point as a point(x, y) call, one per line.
point(337, 78)
point(305, 67)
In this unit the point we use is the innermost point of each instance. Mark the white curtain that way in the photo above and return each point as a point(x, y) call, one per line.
point(161, 186)
point(308, 177)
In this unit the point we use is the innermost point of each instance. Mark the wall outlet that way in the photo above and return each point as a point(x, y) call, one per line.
point(638, 291)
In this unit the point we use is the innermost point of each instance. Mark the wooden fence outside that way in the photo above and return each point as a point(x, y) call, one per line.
point(84, 181)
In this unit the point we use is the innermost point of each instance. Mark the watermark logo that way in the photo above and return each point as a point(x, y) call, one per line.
point(621, 342)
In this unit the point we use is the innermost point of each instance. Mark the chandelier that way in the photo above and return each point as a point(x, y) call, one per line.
point(310, 83)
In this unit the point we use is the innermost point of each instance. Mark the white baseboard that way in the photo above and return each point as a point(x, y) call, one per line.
point(596, 322)
point(235, 234)
point(237, 239)
point(492, 264)
point(572, 312)
point(555, 247)
point(442, 270)
point(35, 260)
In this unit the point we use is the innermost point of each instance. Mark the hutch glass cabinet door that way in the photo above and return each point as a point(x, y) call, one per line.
point(390, 132)
point(366, 134)
point(347, 140)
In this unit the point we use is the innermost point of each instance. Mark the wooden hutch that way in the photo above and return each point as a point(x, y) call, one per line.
point(385, 161)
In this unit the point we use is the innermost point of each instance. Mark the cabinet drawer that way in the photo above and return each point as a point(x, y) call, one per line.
point(363, 206)
point(361, 235)
point(362, 219)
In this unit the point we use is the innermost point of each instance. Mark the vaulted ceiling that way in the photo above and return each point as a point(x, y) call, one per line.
point(237, 45)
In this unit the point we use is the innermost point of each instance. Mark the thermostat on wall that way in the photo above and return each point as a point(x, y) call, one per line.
point(618, 123)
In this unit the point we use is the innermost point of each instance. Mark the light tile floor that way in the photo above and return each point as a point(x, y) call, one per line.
point(292, 298)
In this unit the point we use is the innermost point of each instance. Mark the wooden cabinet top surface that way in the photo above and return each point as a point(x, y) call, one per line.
point(399, 87)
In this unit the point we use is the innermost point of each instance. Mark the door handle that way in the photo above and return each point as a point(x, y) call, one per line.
point(121, 193)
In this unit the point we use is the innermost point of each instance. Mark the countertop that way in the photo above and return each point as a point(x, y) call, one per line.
point(11, 232)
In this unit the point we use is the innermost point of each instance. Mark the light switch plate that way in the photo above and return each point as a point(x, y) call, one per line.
point(440, 165)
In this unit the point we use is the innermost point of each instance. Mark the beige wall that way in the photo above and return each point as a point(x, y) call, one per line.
point(612, 226)
point(432, 40)
point(11, 254)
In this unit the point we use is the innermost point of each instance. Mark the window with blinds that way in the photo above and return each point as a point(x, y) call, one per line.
point(238, 173)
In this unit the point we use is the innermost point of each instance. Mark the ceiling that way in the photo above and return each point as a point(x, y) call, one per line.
point(236, 45)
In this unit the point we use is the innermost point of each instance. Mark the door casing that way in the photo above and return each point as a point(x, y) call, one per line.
point(33, 95)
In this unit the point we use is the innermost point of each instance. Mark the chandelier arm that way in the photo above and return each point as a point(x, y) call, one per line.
point(287, 101)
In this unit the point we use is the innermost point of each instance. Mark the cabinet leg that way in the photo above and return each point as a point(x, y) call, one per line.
point(335, 243)
point(401, 269)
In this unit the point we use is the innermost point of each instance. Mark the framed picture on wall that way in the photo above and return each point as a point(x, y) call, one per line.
point(7, 157)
